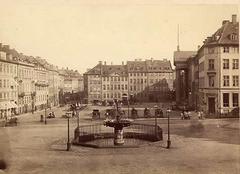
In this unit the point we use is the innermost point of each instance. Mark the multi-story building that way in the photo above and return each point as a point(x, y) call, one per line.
point(41, 86)
point(54, 86)
point(114, 82)
point(8, 84)
point(70, 81)
point(92, 83)
point(213, 72)
point(150, 80)
point(219, 69)
point(26, 89)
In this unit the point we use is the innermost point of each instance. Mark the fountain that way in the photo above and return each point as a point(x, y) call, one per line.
point(118, 124)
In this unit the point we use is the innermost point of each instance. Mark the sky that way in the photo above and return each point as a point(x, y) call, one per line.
point(79, 34)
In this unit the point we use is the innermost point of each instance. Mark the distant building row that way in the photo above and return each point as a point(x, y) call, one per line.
point(208, 79)
point(149, 80)
point(30, 83)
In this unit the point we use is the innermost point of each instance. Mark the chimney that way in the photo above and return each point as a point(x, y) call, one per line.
point(100, 62)
point(135, 59)
point(198, 47)
point(151, 59)
point(111, 63)
point(234, 18)
point(224, 22)
point(122, 62)
point(0, 46)
point(105, 63)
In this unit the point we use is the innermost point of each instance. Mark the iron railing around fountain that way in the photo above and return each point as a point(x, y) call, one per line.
point(86, 133)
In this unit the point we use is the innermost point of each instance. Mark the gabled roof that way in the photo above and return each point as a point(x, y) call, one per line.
point(94, 71)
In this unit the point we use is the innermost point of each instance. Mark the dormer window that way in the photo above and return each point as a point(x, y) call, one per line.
point(233, 36)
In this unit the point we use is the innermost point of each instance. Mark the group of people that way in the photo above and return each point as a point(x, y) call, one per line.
point(185, 114)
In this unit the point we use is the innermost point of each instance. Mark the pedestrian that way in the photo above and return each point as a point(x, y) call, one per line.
point(182, 115)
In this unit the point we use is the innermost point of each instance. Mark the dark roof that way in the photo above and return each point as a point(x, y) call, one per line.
point(114, 69)
point(182, 56)
point(137, 65)
point(94, 71)
point(158, 65)
point(224, 34)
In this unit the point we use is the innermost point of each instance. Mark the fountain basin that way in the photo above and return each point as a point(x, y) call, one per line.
point(118, 126)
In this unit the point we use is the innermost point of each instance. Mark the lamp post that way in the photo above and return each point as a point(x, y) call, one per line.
point(45, 118)
point(155, 120)
point(68, 129)
point(168, 140)
point(128, 108)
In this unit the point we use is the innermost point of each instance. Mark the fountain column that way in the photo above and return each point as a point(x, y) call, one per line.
point(118, 135)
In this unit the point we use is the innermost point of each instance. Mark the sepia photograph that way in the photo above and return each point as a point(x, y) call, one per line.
point(119, 87)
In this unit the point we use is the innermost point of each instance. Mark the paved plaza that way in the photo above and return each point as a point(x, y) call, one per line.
point(198, 146)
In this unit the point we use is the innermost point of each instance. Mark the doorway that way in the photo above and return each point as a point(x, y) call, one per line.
point(211, 105)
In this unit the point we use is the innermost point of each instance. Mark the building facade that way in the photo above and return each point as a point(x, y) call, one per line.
point(212, 80)
point(149, 80)
point(8, 85)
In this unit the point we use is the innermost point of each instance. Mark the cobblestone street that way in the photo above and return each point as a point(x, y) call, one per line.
point(33, 147)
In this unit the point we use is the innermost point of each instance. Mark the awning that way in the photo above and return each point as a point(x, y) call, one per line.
point(13, 104)
point(7, 105)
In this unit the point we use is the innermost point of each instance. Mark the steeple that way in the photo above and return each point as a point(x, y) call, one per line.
point(178, 47)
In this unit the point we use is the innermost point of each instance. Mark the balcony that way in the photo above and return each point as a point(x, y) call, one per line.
point(211, 71)
point(41, 84)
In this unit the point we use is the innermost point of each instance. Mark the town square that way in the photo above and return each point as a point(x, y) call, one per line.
point(116, 88)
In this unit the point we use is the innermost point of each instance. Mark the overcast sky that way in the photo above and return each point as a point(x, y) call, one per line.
point(77, 35)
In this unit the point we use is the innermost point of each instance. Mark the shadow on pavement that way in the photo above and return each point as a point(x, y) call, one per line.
point(212, 132)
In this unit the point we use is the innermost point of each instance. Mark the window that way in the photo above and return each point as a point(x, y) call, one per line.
point(235, 99)
point(226, 49)
point(210, 50)
point(107, 87)
point(211, 64)
point(118, 87)
point(225, 99)
point(235, 63)
point(125, 87)
point(225, 80)
point(122, 87)
point(233, 36)
point(225, 63)
point(104, 87)
point(130, 80)
point(235, 80)
point(211, 81)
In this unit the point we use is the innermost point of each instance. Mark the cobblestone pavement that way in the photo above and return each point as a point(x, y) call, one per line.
point(198, 146)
